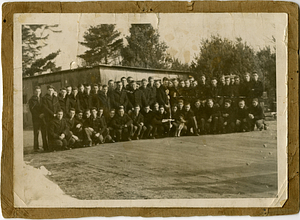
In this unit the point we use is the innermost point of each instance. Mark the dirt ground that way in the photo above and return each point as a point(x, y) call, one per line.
point(235, 165)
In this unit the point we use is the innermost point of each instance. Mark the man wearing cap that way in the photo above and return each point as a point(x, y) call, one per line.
point(138, 128)
point(36, 109)
point(119, 97)
point(227, 124)
point(152, 88)
point(122, 124)
point(60, 137)
point(256, 116)
point(257, 87)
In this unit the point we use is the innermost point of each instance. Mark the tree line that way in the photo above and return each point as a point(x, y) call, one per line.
point(217, 56)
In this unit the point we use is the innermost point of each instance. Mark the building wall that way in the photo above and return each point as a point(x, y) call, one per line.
point(85, 75)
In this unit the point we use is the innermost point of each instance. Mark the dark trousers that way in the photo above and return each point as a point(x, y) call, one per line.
point(148, 131)
point(242, 125)
point(138, 131)
point(191, 123)
point(211, 127)
point(123, 133)
point(226, 126)
point(37, 127)
point(258, 123)
point(161, 130)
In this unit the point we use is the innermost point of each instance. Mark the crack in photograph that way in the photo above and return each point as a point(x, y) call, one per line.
point(149, 106)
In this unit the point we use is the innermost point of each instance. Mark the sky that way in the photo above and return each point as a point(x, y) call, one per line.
point(182, 32)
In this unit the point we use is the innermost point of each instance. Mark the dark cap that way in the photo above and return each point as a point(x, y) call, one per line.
point(121, 107)
point(165, 79)
point(93, 108)
point(161, 106)
point(255, 100)
point(79, 111)
point(37, 87)
point(75, 88)
point(72, 109)
point(228, 101)
point(50, 87)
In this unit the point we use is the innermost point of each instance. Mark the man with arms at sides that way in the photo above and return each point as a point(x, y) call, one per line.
point(38, 120)
point(104, 99)
point(122, 124)
point(161, 123)
point(135, 97)
point(227, 89)
point(242, 117)
point(60, 137)
point(152, 93)
point(227, 123)
point(148, 116)
point(161, 94)
point(212, 113)
point(138, 127)
point(203, 88)
point(174, 92)
point(213, 92)
point(145, 90)
point(119, 97)
point(246, 89)
point(256, 116)
point(64, 101)
point(87, 99)
point(74, 100)
point(51, 106)
point(257, 87)
point(188, 91)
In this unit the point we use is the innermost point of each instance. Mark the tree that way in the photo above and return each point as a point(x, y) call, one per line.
point(144, 48)
point(179, 66)
point(223, 57)
point(103, 43)
point(33, 40)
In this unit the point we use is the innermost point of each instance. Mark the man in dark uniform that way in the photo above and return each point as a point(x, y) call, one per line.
point(104, 99)
point(119, 97)
point(213, 92)
point(74, 100)
point(51, 106)
point(161, 94)
point(236, 91)
point(138, 128)
point(87, 101)
point(38, 121)
point(242, 117)
point(199, 111)
point(148, 116)
point(80, 96)
point(188, 91)
point(122, 124)
point(227, 89)
point(109, 122)
point(135, 97)
point(190, 120)
point(129, 81)
point(246, 89)
point(64, 101)
point(124, 82)
point(212, 113)
point(257, 87)
point(78, 127)
point(161, 123)
point(203, 88)
point(174, 92)
point(227, 123)
point(146, 91)
point(60, 137)
point(256, 116)
point(152, 88)
point(69, 90)
point(71, 123)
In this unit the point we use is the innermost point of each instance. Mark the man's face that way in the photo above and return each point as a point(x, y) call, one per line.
point(64, 92)
point(121, 112)
point(187, 107)
point(255, 77)
point(105, 89)
point(100, 112)
point(227, 81)
point(166, 82)
point(96, 88)
point(241, 104)
point(214, 82)
point(247, 78)
point(151, 81)
point(72, 114)
point(60, 115)
point(161, 110)
point(170, 84)
point(187, 83)
point(69, 89)
point(111, 84)
point(88, 89)
point(203, 79)
point(180, 105)
point(157, 84)
point(81, 88)
point(50, 91)
point(37, 92)
point(174, 108)
point(227, 104)
point(210, 104)
point(94, 112)
point(197, 104)
point(75, 91)
point(147, 109)
point(195, 83)
point(134, 85)
point(87, 114)
point(156, 106)
point(176, 83)
point(137, 110)
point(144, 82)
point(124, 82)
point(119, 86)
point(182, 84)
point(129, 80)
point(112, 114)
point(232, 81)
point(254, 103)
point(237, 81)
point(79, 115)
point(223, 80)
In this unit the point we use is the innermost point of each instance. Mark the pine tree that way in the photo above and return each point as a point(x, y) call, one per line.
point(103, 43)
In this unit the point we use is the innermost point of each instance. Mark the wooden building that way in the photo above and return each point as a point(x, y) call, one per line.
point(96, 74)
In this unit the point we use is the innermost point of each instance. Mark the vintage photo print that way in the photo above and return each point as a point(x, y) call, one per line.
point(150, 109)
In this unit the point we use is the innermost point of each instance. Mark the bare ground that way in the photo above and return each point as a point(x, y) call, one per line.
point(235, 165)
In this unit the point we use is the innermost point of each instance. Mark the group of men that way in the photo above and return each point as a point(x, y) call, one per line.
point(124, 110)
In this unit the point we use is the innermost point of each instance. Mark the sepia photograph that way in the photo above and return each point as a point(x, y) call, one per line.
point(150, 110)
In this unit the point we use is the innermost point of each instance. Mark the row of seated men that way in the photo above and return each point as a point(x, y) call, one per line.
point(77, 128)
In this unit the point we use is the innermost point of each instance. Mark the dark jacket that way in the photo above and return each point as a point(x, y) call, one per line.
point(118, 98)
point(257, 112)
point(136, 97)
point(64, 104)
point(213, 92)
point(236, 90)
point(119, 122)
point(227, 91)
point(104, 101)
point(152, 94)
point(71, 123)
point(188, 115)
point(86, 101)
point(161, 96)
point(202, 91)
point(146, 91)
point(92, 122)
point(35, 107)
point(158, 117)
point(257, 89)
point(137, 119)
point(199, 112)
point(212, 112)
point(50, 106)
point(58, 127)
point(241, 113)
point(74, 102)
point(230, 111)
point(246, 89)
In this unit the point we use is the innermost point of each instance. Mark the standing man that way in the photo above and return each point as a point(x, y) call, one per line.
point(246, 89)
point(152, 88)
point(161, 93)
point(51, 106)
point(38, 120)
point(145, 90)
point(213, 92)
point(104, 99)
point(257, 87)
point(87, 99)
point(136, 97)
point(74, 100)
point(119, 97)
point(64, 101)
point(203, 88)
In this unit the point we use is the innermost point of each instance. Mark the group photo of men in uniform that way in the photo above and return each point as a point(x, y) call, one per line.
point(125, 110)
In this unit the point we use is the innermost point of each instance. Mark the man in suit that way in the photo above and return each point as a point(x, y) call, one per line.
point(122, 125)
point(64, 101)
point(87, 101)
point(146, 91)
point(152, 94)
point(257, 87)
point(136, 97)
point(246, 87)
point(36, 109)
point(242, 117)
point(60, 137)
point(104, 99)
point(256, 116)
point(161, 94)
point(74, 100)
point(138, 127)
point(203, 88)
point(119, 97)
point(227, 123)
point(212, 113)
